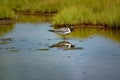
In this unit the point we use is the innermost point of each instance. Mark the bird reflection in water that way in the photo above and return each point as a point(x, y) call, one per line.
point(65, 45)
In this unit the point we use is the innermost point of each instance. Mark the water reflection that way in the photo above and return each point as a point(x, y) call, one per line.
point(4, 29)
point(65, 45)
point(85, 33)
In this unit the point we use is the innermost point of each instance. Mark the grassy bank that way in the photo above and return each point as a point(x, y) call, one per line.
point(32, 6)
point(69, 12)
point(6, 13)
point(91, 12)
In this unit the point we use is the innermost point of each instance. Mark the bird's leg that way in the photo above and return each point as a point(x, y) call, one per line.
point(64, 37)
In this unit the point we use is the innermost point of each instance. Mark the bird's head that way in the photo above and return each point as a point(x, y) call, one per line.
point(71, 29)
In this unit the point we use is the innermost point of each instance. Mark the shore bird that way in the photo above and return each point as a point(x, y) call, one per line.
point(63, 31)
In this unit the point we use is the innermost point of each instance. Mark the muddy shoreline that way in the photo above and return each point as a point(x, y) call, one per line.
point(97, 26)
point(28, 13)
point(7, 21)
point(13, 21)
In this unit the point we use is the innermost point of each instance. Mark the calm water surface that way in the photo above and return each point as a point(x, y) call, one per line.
point(28, 51)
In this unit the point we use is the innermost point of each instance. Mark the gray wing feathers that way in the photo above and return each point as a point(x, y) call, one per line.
point(62, 30)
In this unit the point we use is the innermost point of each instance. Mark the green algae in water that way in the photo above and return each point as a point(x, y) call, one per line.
point(43, 49)
point(4, 42)
point(14, 50)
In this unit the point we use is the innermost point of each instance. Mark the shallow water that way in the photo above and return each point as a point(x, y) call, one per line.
point(28, 51)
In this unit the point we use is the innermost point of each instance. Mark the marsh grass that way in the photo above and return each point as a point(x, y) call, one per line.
point(32, 6)
point(69, 12)
point(6, 13)
point(91, 12)
point(74, 15)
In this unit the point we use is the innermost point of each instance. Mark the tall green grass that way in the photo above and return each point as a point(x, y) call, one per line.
point(90, 12)
point(28, 6)
point(6, 13)
point(73, 15)
point(33, 5)
point(69, 12)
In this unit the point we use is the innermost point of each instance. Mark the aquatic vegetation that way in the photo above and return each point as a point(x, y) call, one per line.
point(4, 42)
point(73, 16)
point(43, 49)
point(91, 12)
point(15, 50)
point(68, 12)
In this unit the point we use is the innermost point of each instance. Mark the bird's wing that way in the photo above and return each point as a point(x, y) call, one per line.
point(62, 30)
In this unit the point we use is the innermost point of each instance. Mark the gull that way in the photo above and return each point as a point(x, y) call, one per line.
point(64, 31)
